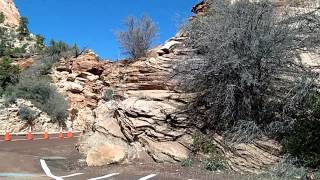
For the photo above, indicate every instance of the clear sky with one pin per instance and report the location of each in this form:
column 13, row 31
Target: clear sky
column 92, row 23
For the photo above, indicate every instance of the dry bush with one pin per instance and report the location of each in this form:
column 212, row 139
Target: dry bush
column 247, row 70
column 137, row 38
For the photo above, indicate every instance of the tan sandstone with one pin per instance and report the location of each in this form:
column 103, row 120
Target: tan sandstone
column 11, row 13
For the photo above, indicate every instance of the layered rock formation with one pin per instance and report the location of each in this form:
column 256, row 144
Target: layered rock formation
column 131, row 110
column 11, row 13
column 140, row 118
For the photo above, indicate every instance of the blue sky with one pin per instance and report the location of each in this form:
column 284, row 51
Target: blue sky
column 92, row 23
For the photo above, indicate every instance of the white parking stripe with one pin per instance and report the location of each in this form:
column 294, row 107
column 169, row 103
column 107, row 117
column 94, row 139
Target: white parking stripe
column 148, row 177
column 105, row 177
column 49, row 174
column 47, row 170
column 71, row 175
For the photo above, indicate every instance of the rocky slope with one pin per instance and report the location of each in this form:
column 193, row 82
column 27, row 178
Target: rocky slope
column 140, row 119
column 131, row 111
column 137, row 117
column 11, row 13
column 10, row 119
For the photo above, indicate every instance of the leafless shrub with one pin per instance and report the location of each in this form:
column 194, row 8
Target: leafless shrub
column 248, row 65
column 244, row 132
column 137, row 37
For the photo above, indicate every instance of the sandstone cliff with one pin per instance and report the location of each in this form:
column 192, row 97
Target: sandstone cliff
column 130, row 111
column 11, row 13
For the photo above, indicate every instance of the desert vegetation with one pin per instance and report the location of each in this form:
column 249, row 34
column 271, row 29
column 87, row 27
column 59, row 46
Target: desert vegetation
column 23, row 30
column 250, row 80
column 137, row 38
column 2, row 18
column 27, row 114
column 33, row 83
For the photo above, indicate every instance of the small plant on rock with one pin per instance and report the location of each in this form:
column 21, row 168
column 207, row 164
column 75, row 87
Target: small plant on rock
column 27, row 114
column 215, row 160
column 108, row 95
column 187, row 162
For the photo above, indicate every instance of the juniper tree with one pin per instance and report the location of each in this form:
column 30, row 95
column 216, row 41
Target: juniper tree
column 23, row 28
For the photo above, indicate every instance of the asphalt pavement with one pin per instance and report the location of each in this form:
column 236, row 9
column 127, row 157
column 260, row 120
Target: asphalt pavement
column 58, row 159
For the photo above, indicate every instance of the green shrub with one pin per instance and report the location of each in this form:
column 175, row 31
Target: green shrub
column 304, row 142
column 215, row 163
column 18, row 51
column 107, row 95
column 27, row 114
column 2, row 18
column 40, row 39
column 10, row 100
column 187, row 162
column 23, row 28
column 203, row 144
column 4, row 48
column 60, row 49
column 8, row 73
column 43, row 95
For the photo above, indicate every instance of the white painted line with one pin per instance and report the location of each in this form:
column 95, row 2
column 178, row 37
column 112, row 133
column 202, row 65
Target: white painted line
column 105, row 177
column 47, row 170
column 49, row 174
column 148, row 177
column 71, row 175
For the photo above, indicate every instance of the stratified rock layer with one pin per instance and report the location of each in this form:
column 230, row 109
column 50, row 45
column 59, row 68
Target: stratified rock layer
column 141, row 120
column 11, row 13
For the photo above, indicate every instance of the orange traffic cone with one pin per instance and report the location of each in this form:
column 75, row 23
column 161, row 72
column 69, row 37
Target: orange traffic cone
column 61, row 134
column 29, row 135
column 70, row 135
column 7, row 136
column 46, row 135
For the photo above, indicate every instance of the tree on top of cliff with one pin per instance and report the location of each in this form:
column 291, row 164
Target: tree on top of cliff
column 137, row 38
column 23, row 27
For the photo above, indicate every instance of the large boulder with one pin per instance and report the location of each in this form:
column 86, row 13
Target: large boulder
column 105, row 154
column 75, row 87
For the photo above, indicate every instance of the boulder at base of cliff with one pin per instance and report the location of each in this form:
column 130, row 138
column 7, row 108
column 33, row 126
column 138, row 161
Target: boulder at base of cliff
column 105, row 154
